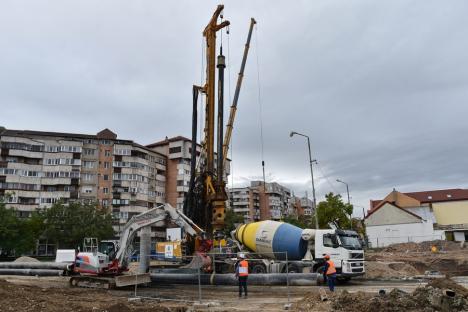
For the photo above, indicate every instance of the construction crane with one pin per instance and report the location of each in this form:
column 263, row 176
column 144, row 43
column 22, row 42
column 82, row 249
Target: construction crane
column 206, row 200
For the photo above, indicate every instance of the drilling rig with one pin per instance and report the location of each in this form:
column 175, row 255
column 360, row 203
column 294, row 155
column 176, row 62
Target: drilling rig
column 205, row 202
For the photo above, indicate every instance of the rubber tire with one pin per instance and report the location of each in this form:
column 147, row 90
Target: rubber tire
column 258, row 269
column 292, row 268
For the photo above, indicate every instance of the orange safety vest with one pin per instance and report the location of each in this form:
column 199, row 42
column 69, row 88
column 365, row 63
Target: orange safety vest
column 243, row 268
column 331, row 267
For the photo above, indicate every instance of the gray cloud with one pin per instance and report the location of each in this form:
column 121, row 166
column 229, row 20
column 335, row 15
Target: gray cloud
column 379, row 86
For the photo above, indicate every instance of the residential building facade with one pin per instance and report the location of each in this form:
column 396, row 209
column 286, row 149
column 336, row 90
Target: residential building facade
column 178, row 151
column 259, row 201
column 37, row 169
column 418, row 216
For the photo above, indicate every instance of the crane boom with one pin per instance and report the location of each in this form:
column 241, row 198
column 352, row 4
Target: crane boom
column 232, row 114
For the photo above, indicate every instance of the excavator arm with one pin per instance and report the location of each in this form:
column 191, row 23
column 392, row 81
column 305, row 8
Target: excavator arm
column 160, row 214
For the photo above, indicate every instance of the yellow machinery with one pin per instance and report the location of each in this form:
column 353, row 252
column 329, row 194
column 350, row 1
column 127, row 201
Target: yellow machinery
column 206, row 201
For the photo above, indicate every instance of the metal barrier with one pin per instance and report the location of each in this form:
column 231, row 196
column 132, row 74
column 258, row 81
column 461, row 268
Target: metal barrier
column 199, row 273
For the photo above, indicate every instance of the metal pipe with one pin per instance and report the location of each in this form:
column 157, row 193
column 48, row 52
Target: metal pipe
column 31, row 272
column 299, row 279
column 36, row 265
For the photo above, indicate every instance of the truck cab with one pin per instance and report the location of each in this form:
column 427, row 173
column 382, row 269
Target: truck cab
column 344, row 249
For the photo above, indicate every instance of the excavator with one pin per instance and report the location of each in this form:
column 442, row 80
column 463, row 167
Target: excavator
column 205, row 202
column 104, row 266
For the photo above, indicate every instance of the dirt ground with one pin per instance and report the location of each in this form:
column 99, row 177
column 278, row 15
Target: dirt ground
column 411, row 259
column 431, row 297
column 23, row 297
column 52, row 294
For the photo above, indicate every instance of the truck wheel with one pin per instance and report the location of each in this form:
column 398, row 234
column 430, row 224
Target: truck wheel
column 293, row 268
column 258, row 269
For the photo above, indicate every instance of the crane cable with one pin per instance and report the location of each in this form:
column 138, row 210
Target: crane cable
column 259, row 100
column 229, row 92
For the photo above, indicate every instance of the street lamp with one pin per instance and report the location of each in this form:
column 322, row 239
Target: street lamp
column 311, row 174
column 347, row 191
column 347, row 188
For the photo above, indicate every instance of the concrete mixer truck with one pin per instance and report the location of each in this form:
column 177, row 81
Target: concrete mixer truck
column 277, row 247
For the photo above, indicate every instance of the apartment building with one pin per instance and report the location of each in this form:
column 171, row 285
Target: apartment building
column 37, row 169
column 271, row 201
column 178, row 151
column 303, row 206
column 246, row 201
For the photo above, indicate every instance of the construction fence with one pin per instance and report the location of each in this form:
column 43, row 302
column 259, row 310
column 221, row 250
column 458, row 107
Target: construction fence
column 201, row 281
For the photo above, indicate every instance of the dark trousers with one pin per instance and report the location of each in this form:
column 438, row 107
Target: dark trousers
column 243, row 284
column 331, row 281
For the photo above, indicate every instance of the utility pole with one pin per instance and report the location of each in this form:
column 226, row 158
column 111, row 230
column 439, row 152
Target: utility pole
column 311, row 161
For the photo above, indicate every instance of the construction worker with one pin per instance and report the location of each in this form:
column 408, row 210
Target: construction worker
column 329, row 273
column 242, row 273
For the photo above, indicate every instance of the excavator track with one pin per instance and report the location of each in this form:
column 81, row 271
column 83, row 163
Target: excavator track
column 92, row 282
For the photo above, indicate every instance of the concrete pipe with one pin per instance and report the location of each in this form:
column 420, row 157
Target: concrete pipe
column 36, row 265
column 299, row 279
column 31, row 272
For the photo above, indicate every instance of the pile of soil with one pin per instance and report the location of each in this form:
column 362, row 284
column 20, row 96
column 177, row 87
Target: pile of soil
column 22, row 298
column 432, row 297
column 389, row 270
column 442, row 245
column 26, row 259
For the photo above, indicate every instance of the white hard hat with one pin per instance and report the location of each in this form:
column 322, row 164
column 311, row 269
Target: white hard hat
column 241, row 255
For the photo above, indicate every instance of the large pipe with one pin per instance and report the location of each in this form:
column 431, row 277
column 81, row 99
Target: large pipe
column 31, row 272
column 36, row 265
column 296, row 279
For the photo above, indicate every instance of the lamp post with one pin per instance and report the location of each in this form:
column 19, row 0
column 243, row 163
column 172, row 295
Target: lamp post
column 349, row 203
column 311, row 161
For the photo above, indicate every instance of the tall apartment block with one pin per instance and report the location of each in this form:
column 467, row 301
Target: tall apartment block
column 37, row 169
column 178, row 151
column 262, row 202
column 303, row 206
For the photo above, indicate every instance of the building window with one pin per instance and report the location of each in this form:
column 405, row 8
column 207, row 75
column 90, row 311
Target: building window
column 105, row 202
column 105, row 190
column 88, row 164
column 88, row 151
column 106, row 177
column 107, row 153
column 176, row 149
column 106, row 165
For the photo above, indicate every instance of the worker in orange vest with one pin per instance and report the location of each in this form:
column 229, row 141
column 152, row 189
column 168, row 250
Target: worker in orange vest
column 242, row 273
column 329, row 272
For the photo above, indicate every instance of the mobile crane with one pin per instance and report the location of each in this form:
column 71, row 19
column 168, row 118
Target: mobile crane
column 207, row 189
column 104, row 267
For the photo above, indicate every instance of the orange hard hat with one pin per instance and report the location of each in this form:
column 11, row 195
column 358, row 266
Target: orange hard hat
column 327, row 257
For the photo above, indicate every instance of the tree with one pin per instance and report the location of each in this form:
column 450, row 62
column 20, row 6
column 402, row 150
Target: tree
column 18, row 235
column 231, row 220
column 68, row 225
column 334, row 210
column 303, row 221
column 9, row 229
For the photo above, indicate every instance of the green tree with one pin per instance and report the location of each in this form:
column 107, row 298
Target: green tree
column 9, row 229
column 68, row 225
column 334, row 210
column 18, row 235
column 304, row 222
column 231, row 220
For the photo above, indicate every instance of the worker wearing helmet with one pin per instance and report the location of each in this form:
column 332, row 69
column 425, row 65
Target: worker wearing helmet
column 329, row 273
column 242, row 273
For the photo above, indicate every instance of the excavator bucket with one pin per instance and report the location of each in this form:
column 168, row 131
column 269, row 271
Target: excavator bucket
column 133, row 279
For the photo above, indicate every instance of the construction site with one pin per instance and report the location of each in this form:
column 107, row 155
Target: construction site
column 170, row 236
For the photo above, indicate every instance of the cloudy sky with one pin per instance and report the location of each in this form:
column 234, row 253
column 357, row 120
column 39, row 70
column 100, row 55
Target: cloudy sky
column 381, row 87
